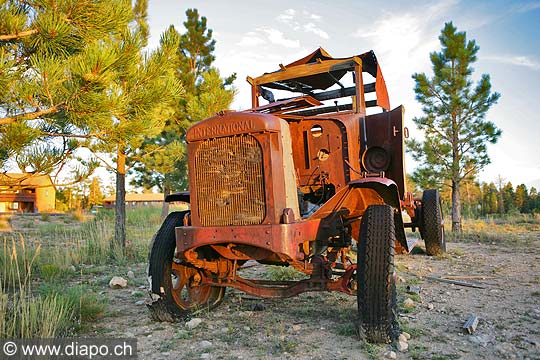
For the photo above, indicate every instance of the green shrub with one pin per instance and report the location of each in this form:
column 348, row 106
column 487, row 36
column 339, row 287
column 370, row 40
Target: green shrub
column 85, row 304
column 284, row 273
column 55, row 272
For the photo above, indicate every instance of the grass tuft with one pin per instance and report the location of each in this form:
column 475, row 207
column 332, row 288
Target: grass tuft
column 283, row 273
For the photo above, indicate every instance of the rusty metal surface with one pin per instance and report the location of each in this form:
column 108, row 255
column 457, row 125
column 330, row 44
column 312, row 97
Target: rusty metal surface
column 385, row 133
column 320, row 155
column 275, row 289
column 229, row 181
column 279, row 107
column 188, row 287
column 319, row 70
column 281, row 239
column 266, row 130
column 232, row 123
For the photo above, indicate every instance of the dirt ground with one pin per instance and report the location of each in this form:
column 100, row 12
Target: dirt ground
column 321, row 325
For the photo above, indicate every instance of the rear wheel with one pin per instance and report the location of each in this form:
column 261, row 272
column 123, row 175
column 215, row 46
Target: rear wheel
column 180, row 286
column 432, row 223
column 377, row 305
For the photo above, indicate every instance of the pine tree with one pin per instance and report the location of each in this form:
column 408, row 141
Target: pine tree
column 161, row 160
column 509, row 198
column 534, row 200
column 143, row 92
column 95, row 196
column 489, row 199
column 522, row 198
column 456, row 132
column 52, row 65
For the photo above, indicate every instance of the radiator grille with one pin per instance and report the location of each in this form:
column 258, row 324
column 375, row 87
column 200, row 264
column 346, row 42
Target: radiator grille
column 229, row 181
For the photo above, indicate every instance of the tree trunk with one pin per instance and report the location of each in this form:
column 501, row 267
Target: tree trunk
column 456, row 207
column 120, row 207
column 500, row 198
column 165, row 207
column 456, row 196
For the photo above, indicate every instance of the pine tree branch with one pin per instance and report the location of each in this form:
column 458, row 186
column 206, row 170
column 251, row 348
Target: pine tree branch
column 18, row 35
column 105, row 162
column 47, row 90
column 471, row 170
column 35, row 115
column 442, row 158
column 443, row 184
column 442, row 135
column 463, row 149
column 436, row 94
column 76, row 136
column 158, row 149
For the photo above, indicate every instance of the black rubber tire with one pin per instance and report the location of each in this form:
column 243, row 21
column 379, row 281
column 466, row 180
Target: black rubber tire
column 377, row 304
column 432, row 223
column 159, row 271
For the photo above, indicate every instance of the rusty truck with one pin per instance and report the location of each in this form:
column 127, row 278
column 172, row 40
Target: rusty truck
column 314, row 180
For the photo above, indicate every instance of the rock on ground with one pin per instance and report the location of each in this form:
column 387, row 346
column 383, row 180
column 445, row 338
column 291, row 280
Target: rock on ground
column 205, row 344
column 193, row 323
column 408, row 303
column 117, row 282
column 402, row 346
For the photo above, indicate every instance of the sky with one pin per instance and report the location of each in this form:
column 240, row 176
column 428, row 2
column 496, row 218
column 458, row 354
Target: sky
column 254, row 37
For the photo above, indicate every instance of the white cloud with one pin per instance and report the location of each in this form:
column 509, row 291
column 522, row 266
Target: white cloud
column 404, row 41
column 311, row 16
column 287, row 16
column 518, row 60
column 265, row 35
column 250, row 39
column 295, row 19
column 276, row 37
column 312, row 28
column 440, row 9
column 402, row 44
column 522, row 8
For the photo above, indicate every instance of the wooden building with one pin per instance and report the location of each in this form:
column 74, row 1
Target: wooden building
column 26, row 193
column 133, row 200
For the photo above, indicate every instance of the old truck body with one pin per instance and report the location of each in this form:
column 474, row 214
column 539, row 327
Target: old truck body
column 290, row 183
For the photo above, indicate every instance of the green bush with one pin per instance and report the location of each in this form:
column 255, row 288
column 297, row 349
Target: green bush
column 54, row 272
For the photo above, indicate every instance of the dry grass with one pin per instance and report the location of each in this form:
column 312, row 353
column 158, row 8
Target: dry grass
column 506, row 230
column 23, row 315
column 44, row 252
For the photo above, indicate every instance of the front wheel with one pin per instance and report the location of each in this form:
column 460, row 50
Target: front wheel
column 180, row 286
column 377, row 305
column 432, row 224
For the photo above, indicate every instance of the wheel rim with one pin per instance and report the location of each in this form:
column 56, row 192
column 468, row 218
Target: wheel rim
column 187, row 288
